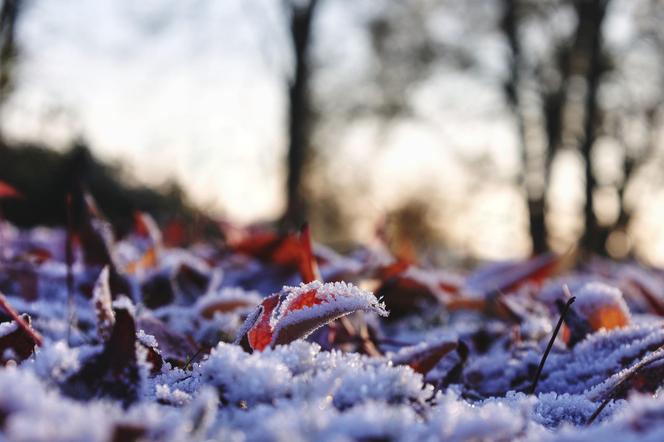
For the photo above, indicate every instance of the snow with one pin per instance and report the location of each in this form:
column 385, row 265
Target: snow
column 209, row 388
column 146, row 339
column 7, row 328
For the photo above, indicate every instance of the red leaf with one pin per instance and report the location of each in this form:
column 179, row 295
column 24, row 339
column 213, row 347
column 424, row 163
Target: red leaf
column 174, row 234
column 308, row 266
column 8, row 192
column 260, row 334
column 295, row 312
column 508, row 276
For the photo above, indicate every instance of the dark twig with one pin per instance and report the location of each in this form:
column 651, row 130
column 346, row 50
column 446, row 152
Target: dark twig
column 69, row 254
column 551, row 341
column 34, row 335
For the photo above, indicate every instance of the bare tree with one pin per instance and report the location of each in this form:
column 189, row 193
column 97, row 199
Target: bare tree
column 300, row 112
column 589, row 40
column 536, row 200
column 9, row 13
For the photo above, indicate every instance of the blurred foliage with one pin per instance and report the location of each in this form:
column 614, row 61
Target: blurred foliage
column 45, row 176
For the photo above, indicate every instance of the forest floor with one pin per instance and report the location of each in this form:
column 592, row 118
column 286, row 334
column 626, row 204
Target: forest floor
column 270, row 337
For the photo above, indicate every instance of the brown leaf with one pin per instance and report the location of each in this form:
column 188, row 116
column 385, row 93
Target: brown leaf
column 103, row 305
column 173, row 346
column 113, row 372
column 422, row 359
column 18, row 341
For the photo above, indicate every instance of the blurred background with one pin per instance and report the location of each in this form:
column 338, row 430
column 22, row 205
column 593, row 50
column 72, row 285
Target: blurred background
column 487, row 129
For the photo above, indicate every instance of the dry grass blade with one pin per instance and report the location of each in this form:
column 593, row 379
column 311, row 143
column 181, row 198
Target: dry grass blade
column 656, row 356
column 551, row 341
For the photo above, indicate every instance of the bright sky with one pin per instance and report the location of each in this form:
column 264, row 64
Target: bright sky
column 171, row 88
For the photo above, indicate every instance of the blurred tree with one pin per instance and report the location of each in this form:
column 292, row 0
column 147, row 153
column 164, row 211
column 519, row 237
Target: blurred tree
column 300, row 111
column 590, row 15
column 535, row 197
column 9, row 13
column 572, row 58
column 45, row 176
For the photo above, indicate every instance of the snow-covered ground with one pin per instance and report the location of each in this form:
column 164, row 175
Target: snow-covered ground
column 138, row 340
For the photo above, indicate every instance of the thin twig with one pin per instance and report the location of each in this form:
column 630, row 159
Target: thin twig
column 34, row 335
column 69, row 253
column 551, row 341
column 654, row 357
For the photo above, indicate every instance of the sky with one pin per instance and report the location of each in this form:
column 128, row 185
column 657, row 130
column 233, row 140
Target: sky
column 171, row 88
column 195, row 90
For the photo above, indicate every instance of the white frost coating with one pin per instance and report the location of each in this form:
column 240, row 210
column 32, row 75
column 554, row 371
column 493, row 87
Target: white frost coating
column 499, row 419
column 595, row 295
column 55, row 362
column 340, row 293
column 7, row 328
column 176, row 397
column 146, row 339
column 642, row 420
column 299, row 372
column 300, row 392
column 338, row 299
column 123, row 302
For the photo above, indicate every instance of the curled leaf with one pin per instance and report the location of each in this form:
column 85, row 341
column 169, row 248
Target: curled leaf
column 295, row 312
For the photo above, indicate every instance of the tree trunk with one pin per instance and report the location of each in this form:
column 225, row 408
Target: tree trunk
column 591, row 15
column 300, row 114
column 536, row 201
column 8, row 17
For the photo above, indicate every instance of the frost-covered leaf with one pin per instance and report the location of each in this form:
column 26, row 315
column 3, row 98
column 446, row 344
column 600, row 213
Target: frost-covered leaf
column 297, row 311
column 103, row 304
column 114, row 371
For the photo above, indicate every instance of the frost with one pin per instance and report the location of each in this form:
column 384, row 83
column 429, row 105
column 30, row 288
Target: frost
column 170, row 372
column 147, row 340
column 595, row 296
column 332, row 301
column 7, row 328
